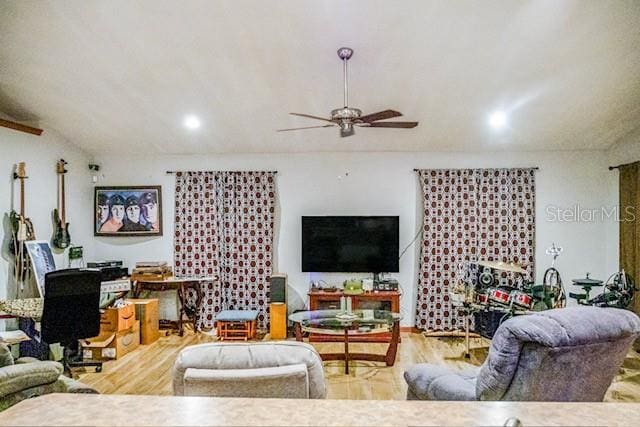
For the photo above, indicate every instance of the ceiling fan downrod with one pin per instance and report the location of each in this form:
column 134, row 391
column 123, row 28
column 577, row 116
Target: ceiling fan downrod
column 345, row 53
column 345, row 116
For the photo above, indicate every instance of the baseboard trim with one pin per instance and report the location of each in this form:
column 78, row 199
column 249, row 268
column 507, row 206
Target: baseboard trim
column 411, row 329
column 453, row 334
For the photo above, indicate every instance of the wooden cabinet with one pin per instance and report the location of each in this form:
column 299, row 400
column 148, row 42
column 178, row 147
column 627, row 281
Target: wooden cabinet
column 382, row 300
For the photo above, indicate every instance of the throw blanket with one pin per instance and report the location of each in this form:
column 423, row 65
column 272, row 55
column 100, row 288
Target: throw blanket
column 27, row 307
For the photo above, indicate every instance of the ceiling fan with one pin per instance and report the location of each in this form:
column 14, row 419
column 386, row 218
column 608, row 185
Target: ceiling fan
column 346, row 118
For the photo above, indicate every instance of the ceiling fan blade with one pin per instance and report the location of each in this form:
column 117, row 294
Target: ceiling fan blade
column 311, row 117
column 380, row 115
column 402, row 125
column 348, row 132
column 307, row 127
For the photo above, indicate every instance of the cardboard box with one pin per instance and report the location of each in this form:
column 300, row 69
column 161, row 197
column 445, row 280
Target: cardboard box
column 127, row 341
column 112, row 345
column 118, row 319
column 97, row 348
column 147, row 314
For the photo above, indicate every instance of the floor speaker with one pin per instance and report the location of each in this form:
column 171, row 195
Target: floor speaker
column 278, row 307
column 278, row 325
column 279, row 288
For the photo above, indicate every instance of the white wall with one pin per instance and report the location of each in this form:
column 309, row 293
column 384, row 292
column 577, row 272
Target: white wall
column 41, row 154
column 381, row 184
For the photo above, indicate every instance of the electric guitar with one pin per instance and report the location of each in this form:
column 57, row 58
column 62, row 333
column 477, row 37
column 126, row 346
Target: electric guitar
column 22, row 229
column 61, row 237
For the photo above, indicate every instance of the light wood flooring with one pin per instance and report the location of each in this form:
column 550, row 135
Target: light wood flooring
column 147, row 370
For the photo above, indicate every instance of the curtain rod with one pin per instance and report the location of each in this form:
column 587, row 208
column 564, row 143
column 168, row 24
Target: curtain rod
column 621, row 165
column 174, row 172
column 535, row 168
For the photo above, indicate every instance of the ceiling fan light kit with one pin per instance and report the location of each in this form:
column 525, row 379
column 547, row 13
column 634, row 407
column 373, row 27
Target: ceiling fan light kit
column 346, row 118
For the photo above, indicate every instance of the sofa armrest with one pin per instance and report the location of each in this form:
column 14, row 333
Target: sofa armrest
column 73, row 386
column 16, row 378
column 26, row 360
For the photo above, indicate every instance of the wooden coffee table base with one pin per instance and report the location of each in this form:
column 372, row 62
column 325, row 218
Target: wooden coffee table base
column 389, row 358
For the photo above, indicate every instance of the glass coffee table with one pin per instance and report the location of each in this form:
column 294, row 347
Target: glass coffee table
column 361, row 322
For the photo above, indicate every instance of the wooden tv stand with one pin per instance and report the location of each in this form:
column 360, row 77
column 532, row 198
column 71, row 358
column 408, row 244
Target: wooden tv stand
column 381, row 300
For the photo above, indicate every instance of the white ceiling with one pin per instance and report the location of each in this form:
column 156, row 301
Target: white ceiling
column 119, row 76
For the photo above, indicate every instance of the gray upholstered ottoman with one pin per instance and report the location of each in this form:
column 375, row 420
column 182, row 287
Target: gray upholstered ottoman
column 236, row 324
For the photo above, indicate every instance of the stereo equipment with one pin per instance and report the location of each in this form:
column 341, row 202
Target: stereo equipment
column 278, row 307
column 115, row 286
column 386, row 285
column 108, row 274
column 103, row 264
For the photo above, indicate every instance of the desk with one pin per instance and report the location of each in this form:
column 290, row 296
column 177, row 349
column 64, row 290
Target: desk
column 181, row 285
column 121, row 410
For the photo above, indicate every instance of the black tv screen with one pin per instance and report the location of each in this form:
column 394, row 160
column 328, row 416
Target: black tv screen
column 350, row 244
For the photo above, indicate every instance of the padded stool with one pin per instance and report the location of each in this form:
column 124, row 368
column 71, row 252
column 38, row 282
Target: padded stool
column 236, row 324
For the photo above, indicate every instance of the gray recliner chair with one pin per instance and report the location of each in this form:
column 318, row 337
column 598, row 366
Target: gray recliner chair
column 569, row 354
column 26, row 377
column 285, row 369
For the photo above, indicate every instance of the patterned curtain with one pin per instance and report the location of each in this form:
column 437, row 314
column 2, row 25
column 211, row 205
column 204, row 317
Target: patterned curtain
column 246, row 206
column 196, row 240
column 224, row 227
column 507, row 217
column 470, row 214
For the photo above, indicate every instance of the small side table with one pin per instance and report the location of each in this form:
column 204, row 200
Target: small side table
column 181, row 285
column 236, row 324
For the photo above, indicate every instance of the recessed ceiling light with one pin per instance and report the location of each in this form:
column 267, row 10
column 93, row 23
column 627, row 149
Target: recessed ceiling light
column 191, row 122
column 498, row 120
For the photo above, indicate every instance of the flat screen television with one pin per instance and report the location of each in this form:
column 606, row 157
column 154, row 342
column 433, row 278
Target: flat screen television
column 350, row 244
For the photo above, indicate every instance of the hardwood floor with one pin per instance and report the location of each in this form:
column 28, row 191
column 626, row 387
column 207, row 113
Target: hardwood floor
column 148, row 369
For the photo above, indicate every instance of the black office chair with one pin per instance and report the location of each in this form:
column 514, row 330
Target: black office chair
column 71, row 312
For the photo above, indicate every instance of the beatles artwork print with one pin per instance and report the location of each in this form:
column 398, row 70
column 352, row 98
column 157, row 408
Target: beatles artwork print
column 128, row 211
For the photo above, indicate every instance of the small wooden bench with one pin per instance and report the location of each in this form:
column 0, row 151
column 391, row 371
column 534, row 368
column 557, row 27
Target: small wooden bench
column 236, row 324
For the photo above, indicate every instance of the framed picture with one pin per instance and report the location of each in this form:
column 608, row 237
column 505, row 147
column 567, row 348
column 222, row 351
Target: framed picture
column 128, row 211
column 42, row 261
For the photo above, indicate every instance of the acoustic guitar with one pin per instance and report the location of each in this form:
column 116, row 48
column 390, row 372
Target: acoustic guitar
column 22, row 229
column 61, row 237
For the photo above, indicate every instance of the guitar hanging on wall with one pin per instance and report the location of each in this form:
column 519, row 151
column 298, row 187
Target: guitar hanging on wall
column 61, row 237
column 22, row 230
